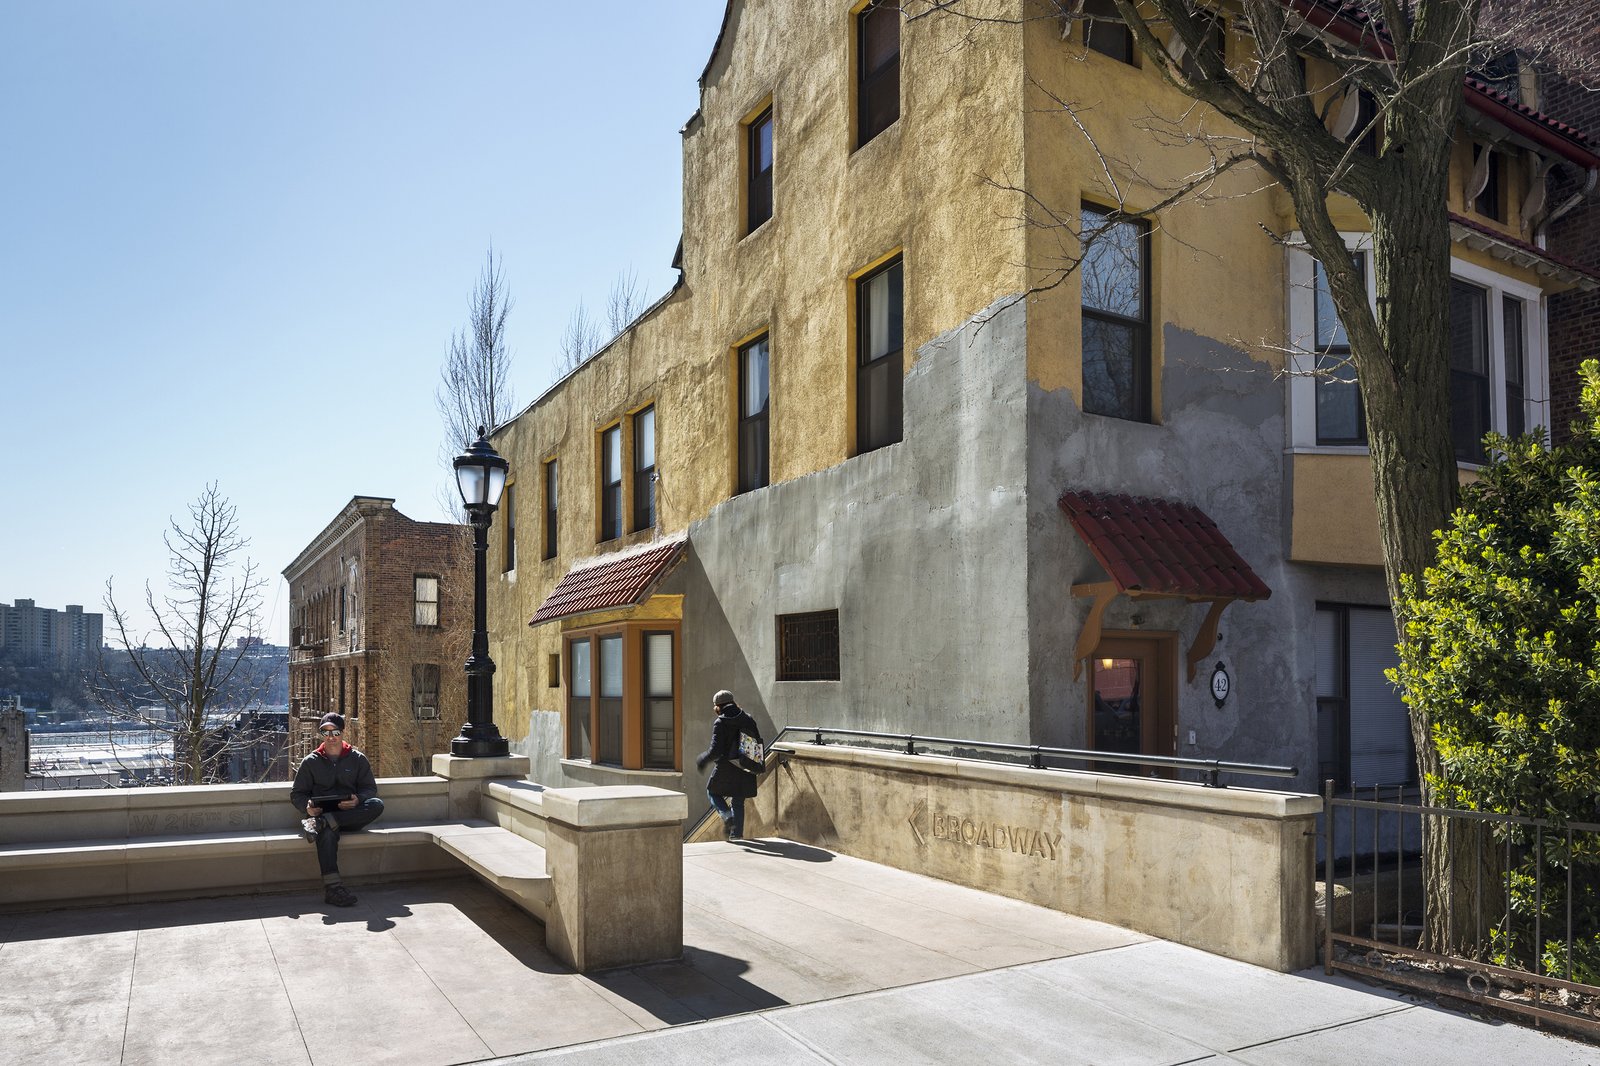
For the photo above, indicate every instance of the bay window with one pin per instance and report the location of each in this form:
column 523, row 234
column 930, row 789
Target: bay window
column 623, row 701
column 1498, row 370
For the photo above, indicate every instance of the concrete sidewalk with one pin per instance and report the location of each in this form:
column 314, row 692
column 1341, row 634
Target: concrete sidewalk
column 792, row 955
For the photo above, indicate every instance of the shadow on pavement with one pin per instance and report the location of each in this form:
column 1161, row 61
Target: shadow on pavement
column 786, row 849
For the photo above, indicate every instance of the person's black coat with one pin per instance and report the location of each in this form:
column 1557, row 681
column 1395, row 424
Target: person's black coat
column 727, row 779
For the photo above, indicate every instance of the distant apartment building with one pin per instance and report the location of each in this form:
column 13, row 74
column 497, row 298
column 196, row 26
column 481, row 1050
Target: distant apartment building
column 44, row 633
column 13, row 746
column 380, row 626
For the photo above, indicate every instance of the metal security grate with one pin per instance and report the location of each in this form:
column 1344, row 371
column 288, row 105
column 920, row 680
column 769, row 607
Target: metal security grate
column 808, row 646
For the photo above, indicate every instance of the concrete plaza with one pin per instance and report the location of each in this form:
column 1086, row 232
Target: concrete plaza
column 792, row 955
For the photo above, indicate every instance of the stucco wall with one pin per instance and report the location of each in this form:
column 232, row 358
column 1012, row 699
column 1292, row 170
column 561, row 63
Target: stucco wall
column 918, row 187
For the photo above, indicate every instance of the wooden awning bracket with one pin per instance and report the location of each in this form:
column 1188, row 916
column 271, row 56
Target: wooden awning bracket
column 1089, row 637
column 1206, row 639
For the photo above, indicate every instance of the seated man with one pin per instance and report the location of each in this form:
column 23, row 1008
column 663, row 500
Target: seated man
column 335, row 790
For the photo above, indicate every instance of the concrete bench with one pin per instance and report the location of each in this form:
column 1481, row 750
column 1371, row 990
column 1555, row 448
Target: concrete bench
column 573, row 858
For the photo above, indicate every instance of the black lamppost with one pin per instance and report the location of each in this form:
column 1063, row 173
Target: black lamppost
column 481, row 476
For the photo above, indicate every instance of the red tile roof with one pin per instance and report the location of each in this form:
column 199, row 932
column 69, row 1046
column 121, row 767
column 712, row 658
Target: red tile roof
column 1532, row 251
column 614, row 581
column 1161, row 547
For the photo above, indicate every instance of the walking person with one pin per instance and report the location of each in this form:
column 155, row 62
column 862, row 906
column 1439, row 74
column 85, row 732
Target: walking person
column 731, row 781
column 335, row 790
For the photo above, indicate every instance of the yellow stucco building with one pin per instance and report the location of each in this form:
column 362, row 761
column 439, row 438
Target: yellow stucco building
column 879, row 461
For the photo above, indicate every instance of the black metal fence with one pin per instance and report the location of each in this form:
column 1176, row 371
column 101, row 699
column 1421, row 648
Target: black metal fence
column 1514, row 923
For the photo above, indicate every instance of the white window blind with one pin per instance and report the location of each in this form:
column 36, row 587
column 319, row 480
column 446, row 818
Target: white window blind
column 658, row 664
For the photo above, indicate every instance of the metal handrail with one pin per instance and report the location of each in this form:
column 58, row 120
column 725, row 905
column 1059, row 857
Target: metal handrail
column 1211, row 768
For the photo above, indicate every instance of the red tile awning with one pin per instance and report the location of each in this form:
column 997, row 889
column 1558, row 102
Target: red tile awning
column 620, row 580
column 1157, row 548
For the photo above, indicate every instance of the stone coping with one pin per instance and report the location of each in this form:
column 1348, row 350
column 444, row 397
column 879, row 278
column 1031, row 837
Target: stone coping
column 1249, row 802
column 45, row 801
column 612, row 806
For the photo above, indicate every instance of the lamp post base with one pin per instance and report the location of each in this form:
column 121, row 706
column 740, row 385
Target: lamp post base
column 480, row 742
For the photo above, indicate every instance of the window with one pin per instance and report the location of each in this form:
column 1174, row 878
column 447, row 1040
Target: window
column 1363, row 733
column 550, row 509
column 758, row 150
column 611, row 483
column 1366, row 124
column 1516, row 371
column 580, row 682
column 1469, row 369
column 754, row 415
column 425, row 691
column 426, row 596
column 660, row 710
column 644, row 469
column 1499, row 369
column 1488, row 202
column 622, row 691
column 880, row 298
column 878, row 73
column 1116, row 316
column 808, row 646
column 1340, row 419
column 508, row 507
column 1105, row 32
column 344, row 602
column 1213, row 43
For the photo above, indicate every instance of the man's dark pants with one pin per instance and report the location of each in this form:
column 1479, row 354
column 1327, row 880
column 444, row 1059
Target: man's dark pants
column 350, row 821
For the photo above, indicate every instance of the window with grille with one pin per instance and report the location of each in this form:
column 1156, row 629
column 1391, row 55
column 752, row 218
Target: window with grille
column 808, row 646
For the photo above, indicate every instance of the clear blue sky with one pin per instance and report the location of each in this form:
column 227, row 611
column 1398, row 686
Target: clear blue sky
column 235, row 240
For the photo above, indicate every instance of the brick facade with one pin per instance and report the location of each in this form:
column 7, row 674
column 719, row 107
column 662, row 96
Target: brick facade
column 356, row 647
column 1574, row 315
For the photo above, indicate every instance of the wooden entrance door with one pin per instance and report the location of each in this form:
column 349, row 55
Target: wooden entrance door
column 1132, row 694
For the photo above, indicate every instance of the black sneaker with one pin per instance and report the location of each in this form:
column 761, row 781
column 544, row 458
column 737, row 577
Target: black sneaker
column 339, row 896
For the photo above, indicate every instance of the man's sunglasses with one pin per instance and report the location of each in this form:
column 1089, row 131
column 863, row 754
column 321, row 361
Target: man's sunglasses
column 331, row 732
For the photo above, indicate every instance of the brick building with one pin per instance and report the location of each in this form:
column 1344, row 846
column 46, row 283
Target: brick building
column 1575, row 235
column 380, row 615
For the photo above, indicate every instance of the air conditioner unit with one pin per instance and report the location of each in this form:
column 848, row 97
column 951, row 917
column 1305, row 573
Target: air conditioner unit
column 427, row 712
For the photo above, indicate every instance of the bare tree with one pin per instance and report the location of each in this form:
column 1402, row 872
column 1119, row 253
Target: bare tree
column 1318, row 80
column 475, row 381
column 585, row 335
column 200, row 654
column 624, row 302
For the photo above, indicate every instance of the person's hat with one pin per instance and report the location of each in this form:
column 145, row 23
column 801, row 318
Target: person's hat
column 333, row 719
column 722, row 698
